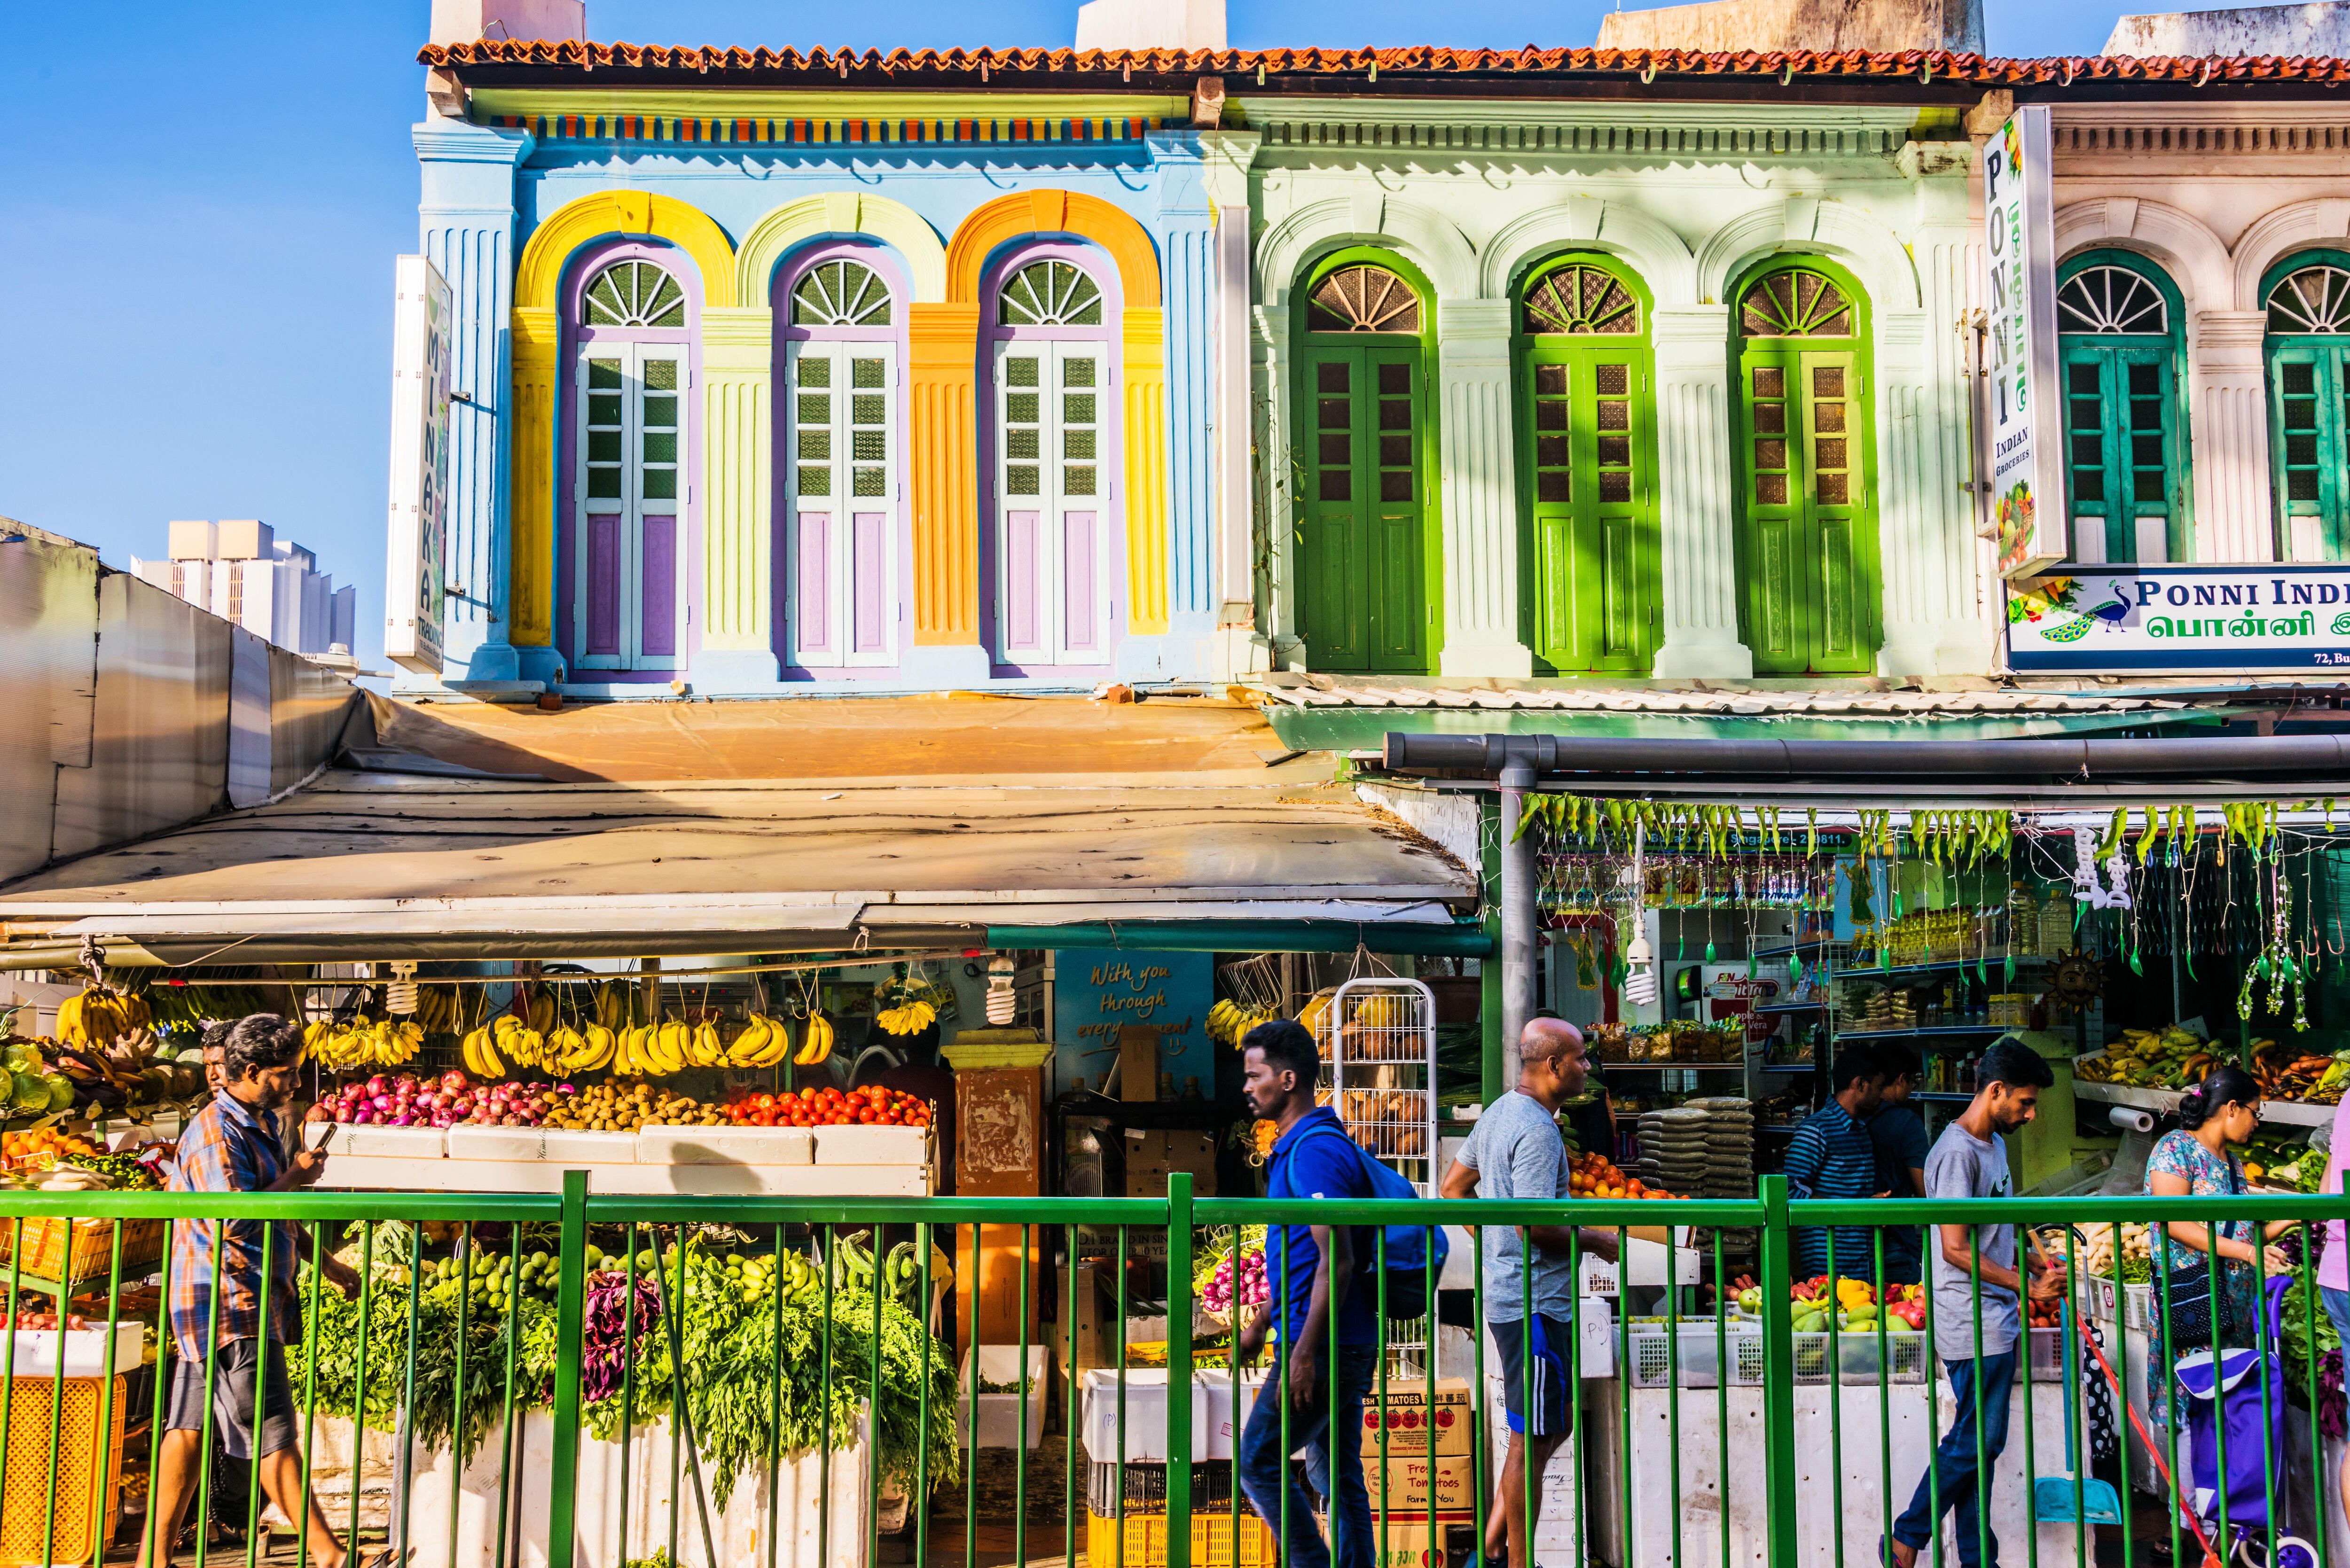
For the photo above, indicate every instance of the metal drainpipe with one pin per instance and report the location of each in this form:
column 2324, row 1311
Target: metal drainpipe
column 1517, row 917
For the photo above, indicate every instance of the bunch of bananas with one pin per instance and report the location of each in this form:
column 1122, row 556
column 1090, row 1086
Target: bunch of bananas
column 909, row 1018
column 615, row 1005
column 1229, row 1021
column 193, row 1006
column 362, row 1042
column 438, row 1010
column 99, row 1018
column 815, row 1046
column 506, row 1042
column 764, row 1044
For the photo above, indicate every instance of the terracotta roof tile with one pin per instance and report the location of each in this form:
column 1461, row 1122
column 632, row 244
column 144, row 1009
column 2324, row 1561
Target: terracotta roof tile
column 1416, row 60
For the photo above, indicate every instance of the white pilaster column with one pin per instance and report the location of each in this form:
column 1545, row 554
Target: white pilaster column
column 1478, row 474
column 1226, row 178
column 737, row 652
column 467, row 223
column 2235, row 511
column 1698, row 546
column 1273, row 490
column 1934, row 623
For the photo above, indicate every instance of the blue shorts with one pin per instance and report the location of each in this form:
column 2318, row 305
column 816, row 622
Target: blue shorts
column 2338, row 1307
column 1550, row 1412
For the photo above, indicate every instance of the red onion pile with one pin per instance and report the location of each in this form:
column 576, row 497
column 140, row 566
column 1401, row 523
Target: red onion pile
column 450, row 1100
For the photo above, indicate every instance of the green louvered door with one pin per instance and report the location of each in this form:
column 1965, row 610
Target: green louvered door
column 2120, row 450
column 1810, row 548
column 2309, row 409
column 1362, row 590
column 1593, row 517
column 1807, row 544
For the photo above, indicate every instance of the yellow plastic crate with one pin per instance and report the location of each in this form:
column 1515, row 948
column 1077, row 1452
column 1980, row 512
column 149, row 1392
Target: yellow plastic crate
column 24, row 1485
column 1146, row 1541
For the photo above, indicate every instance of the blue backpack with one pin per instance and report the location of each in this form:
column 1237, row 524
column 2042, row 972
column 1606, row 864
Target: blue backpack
column 1408, row 1246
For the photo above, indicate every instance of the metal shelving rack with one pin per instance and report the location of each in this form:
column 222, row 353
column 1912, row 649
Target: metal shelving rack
column 1378, row 1041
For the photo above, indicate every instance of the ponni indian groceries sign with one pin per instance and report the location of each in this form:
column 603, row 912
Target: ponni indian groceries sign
column 2151, row 619
column 2027, row 481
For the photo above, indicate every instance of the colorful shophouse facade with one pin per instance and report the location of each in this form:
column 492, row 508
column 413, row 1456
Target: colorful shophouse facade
column 778, row 387
column 1035, row 368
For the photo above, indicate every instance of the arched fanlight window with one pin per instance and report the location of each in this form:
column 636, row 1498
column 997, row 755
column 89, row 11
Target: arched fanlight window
column 1363, row 299
column 2111, row 301
column 1049, row 294
column 2316, row 299
column 1581, row 299
column 1796, row 303
column 840, row 294
column 2125, row 450
column 2308, row 355
column 634, row 294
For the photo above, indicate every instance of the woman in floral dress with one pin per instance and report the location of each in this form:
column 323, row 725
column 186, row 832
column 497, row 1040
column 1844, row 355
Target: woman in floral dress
column 2197, row 1160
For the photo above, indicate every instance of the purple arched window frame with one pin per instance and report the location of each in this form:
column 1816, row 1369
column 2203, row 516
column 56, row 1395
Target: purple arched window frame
column 790, row 571
column 1002, row 602
column 684, row 552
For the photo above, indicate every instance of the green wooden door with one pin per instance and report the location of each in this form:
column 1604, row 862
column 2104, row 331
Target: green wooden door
column 2124, row 448
column 1808, row 544
column 2121, row 440
column 2309, row 409
column 1363, row 602
column 1586, row 413
column 2309, row 405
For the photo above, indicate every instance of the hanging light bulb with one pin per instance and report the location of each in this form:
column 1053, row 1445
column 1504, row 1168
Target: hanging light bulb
column 1640, row 971
column 1640, row 959
column 399, row 996
column 1003, row 1000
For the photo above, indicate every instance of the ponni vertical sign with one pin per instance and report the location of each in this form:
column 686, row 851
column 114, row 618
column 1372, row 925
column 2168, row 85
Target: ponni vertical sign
column 2027, row 483
column 413, row 579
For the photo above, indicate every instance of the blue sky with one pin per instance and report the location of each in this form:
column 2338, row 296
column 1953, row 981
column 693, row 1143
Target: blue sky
column 208, row 198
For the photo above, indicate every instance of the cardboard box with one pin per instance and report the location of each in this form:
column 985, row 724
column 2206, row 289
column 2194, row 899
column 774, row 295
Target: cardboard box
column 1138, row 1062
column 1406, row 1419
column 1405, row 1543
column 1086, row 1331
column 1152, row 1156
column 1408, row 1484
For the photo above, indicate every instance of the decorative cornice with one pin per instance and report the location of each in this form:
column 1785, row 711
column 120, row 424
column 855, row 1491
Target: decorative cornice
column 448, row 142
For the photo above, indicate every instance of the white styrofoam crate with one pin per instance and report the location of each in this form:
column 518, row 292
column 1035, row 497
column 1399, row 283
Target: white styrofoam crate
column 1857, row 1358
column 1216, row 1416
column 466, row 1175
column 1650, row 1348
column 860, row 1145
column 725, row 1146
column 551, row 1145
column 33, row 1352
column 2138, row 1301
column 372, row 1142
column 1000, row 1421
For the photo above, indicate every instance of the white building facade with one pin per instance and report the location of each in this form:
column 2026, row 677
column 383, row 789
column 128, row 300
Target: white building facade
column 240, row 571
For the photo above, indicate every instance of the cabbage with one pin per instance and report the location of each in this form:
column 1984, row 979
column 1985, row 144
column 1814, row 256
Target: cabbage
column 61, row 1091
column 31, row 1095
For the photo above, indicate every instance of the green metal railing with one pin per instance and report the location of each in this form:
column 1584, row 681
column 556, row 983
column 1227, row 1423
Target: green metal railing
column 745, row 1329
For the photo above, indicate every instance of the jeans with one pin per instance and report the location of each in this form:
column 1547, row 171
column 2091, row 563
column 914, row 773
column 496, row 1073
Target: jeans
column 1954, row 1472
column 1263, row 1468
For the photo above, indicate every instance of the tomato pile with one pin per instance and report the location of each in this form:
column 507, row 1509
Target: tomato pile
column 872, row 1105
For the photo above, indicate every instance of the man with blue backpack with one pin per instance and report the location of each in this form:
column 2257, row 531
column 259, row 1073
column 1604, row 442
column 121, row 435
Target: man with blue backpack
column 1310, row 1274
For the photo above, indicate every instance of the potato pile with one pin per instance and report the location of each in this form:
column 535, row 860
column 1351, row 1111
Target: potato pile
column 625, row 1107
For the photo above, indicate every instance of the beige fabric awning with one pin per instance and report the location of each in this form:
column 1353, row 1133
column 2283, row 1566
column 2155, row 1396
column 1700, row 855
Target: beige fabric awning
column 379, row 866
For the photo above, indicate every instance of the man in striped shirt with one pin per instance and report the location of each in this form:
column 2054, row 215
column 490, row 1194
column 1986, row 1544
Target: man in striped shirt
column 1831, row 1155
column 232, row 1317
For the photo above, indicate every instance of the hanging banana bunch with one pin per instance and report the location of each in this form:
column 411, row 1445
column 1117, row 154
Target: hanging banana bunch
column 362, row 1042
